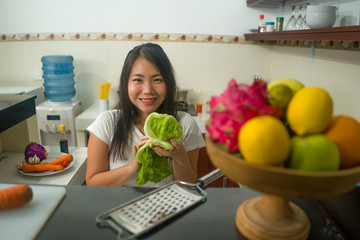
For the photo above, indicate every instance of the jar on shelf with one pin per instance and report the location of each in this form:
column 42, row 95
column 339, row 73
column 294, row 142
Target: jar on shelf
column 279, row 24
column 270, row 26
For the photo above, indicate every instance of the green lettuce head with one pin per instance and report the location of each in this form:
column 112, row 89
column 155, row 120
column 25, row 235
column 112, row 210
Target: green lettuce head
column 160, row 128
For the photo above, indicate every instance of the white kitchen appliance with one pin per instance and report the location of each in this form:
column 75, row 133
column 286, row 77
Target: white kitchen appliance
column 51, row 114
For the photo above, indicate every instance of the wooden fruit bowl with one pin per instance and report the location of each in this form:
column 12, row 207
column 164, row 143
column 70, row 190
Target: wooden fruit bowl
column 272, row 216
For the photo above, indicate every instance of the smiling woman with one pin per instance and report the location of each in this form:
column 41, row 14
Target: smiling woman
column 147, row 85
column 146, row 88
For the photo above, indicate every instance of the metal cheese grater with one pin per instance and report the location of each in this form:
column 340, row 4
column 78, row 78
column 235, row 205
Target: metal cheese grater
column 150, row 210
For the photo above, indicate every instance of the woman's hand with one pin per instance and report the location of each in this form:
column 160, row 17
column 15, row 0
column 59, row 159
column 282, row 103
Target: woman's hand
column 177, row 153
column 134, row 164
column 142, row 141
column 184, row 163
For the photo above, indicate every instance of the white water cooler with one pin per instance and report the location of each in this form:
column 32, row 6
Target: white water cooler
column 51, row 114
column 59, row 89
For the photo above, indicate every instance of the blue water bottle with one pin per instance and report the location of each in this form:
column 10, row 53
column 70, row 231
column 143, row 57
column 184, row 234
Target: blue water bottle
column 58, row 77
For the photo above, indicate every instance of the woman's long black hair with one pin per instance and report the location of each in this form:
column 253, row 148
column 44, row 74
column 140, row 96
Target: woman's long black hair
column 120, row 144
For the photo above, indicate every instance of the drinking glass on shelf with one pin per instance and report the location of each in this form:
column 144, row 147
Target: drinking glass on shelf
column 292, row 21
column 299, row 19
column 304, row 24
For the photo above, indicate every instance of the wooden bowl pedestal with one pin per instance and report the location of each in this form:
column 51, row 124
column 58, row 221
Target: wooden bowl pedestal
column 272, row 217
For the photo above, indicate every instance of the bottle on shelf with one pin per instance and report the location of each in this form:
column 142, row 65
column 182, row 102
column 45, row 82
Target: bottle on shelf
column 262, row 25
column 199, row 103
column 63, row 139
column 198, row 108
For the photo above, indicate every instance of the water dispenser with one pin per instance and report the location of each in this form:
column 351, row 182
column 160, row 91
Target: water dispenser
column 61, row 108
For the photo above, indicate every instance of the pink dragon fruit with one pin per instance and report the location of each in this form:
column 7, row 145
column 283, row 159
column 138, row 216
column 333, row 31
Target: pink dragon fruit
column 237, row 104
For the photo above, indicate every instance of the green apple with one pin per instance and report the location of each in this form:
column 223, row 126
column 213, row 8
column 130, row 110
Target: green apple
column 293, row 84
column 313, row 153
column 280, row 95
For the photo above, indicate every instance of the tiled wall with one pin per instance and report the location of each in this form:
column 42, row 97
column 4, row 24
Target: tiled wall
column 338, row 71
column 200, row 63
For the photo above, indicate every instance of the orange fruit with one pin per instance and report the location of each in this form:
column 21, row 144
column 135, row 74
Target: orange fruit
column 345, row 132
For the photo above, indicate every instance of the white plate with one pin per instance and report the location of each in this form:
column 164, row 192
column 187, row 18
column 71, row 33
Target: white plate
column 51, row 156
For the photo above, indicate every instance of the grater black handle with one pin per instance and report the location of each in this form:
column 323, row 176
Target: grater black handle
column 209, row 178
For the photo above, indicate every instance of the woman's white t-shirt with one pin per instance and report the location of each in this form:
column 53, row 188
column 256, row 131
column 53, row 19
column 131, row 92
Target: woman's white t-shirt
column 104, row 125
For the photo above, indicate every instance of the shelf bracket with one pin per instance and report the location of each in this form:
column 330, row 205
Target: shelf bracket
column 313, row 47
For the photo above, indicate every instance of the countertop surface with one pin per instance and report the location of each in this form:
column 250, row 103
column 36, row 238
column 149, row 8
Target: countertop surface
column 73, row 176
column 14, row 109
column 83, row 120
column 212, row 219
column 21, row 88
column 17, row 89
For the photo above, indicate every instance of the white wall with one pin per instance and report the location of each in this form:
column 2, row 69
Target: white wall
column 338, row 71
column 156, row 16
column 229, row 17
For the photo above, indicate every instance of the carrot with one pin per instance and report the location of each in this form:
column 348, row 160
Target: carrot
column 40, row 167
column 67, row 157
column 15, row 196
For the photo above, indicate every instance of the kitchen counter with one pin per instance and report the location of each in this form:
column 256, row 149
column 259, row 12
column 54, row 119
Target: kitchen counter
column 212, row 219
column 14, row 109
column 73, row 176
column 21, row 88
column 88, row 116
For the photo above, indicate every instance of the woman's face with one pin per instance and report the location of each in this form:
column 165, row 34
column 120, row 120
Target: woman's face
column 146, row 87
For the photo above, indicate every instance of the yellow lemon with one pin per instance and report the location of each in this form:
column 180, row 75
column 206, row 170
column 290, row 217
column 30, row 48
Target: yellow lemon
column 264, row 140
column 310, row 111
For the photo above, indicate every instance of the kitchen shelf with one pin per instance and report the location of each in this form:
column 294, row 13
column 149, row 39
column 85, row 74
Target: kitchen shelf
column 349, row 33
column 268, row 3
column 345, row 38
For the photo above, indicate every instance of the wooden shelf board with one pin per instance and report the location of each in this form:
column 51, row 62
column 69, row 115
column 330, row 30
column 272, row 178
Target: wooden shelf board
column 350, row 33
column 268, row 3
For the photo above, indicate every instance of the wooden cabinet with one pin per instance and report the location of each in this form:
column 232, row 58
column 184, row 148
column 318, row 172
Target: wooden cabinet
column 205, row 166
